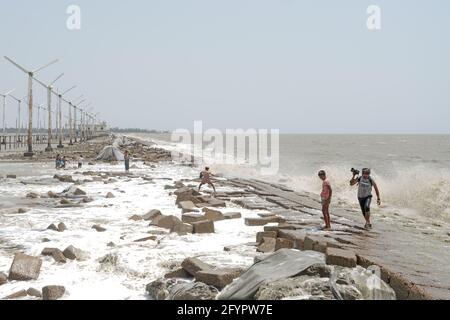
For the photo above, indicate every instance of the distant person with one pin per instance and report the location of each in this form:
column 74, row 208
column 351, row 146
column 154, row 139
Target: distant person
column 365, row 185
column 63, row 162
column 325, row 196
column 205, row 175
column 126, row 157
column 58, row 161
column 80, row 161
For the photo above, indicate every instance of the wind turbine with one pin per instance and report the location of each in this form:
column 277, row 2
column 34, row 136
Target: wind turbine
column 49, row 107
column 39, row 107
column 75, row 116
column 19, row 125
column 4, row 95
column 73, row 123
column 30, row 74
column 60, row 98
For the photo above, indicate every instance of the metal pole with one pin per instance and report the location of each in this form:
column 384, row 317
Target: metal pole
column 4, row 107
column 70, row 124
column 60, row 145
column 29, row 153
column 75, row 121
column 18, row 123
column 49, row 110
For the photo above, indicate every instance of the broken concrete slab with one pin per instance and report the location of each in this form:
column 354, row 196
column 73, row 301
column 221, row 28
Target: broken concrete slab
column 217, row 278
column 192, row 217
column 206, row 226
column 339, row 257
column 25, row 267
column 213, row 215
column 267, row 245
column 194, row 265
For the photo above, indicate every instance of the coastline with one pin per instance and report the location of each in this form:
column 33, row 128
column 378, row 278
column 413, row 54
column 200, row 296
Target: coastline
column 288, row 218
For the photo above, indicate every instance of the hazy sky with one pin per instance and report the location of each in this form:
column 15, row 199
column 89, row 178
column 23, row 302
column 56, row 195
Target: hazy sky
column 298, row 66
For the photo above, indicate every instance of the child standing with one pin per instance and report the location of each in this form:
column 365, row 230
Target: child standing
column 325, row 196
column 80, row 161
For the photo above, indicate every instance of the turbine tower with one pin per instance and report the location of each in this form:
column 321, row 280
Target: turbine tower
column 30, row 74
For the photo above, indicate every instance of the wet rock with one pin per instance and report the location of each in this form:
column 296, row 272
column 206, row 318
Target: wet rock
column 135, row 217
column 192, row 217
column 53, row 227
column 98, row 228
column 151, row 214
column 283, row 243
column 300, row 287
column 110, row 195
column 192, row 291
column 232, row 215
column 111, row 244
column 153, row 238
column 213, row 202
column 167, row 222
column 320, row 270
column 339, row 257
column 65, row 201
column 22, row 210
column 57, row 254
column 298, row 236
column 25, row 267
column 62, row 227
column 34, row 293
column 267, row 245
column 53, row 292
column 316, row 243
column 186, row 194
column 260, row 221
column 87, row 199
column 63, row 178
column 73, row 253
column 53, row 195
column 217, row 278
column 74, row 191
column 194, row 265
column 213, row 215
column 179, row 184
column 3, row 278
column 159, row 289
column 178, row 273
column 11, row 176
column 32, row 195
column 186, row 190
column 16, row 295
column 168, row 187
column 45, row 240
column 206, row 226
column 265, row 234
column 187, row 206
column 182, row 229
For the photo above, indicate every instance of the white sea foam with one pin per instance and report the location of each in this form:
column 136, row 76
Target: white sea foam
column 135, row 263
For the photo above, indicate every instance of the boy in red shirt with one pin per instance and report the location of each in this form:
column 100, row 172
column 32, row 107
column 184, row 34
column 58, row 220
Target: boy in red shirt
column 325, row 196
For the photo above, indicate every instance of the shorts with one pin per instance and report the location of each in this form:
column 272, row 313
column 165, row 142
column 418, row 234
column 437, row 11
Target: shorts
column 365, row 204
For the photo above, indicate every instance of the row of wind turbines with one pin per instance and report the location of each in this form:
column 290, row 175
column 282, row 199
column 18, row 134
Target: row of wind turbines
column 86, row 123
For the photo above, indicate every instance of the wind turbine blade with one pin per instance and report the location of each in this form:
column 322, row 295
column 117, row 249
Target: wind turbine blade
column 59, row 77
column 17, row 65
column 47, row 65
column 14, row 97
column 68, row 90
column 40, row 82
column 11, row 91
